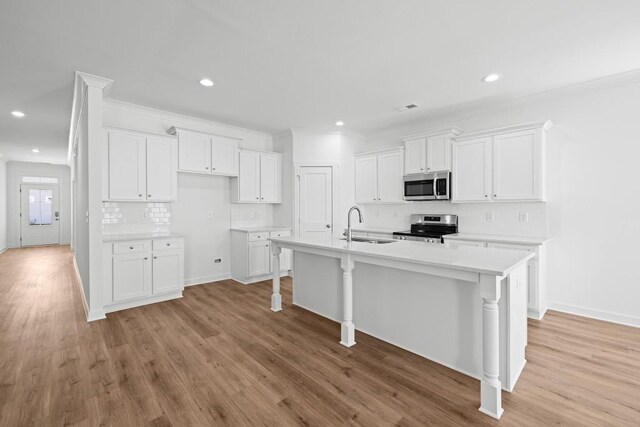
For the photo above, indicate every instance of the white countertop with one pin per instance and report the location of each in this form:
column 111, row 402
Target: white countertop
column 267, row 228
column 140, row 236
column 521, row 240
column 493, row 261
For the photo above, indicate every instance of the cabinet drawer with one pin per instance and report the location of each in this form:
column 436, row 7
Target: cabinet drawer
column 131, row 247
column 513, row 247
column 282, row 233
column 167, row 244
column 258, row 237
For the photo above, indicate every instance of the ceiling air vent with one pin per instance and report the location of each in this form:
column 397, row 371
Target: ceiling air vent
column 407, row 107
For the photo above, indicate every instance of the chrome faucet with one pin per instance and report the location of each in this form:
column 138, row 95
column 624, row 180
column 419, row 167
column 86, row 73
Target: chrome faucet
column 348, row 233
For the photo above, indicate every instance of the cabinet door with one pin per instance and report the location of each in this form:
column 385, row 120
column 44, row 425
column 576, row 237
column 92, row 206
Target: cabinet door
column 438, row 153
column 194, row 152
column 390, row 171
column 224, row 155
column 472, row 170
column 415, row 156
column 285, row 260
column 517, row 159
column 270, row 178
column 127, row 161
column 131, row 276
column 160, row 169
column 367, row 179
column 259, row 259
column 249, row 177
column 168, row 271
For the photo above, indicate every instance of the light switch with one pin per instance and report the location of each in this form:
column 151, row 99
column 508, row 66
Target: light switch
column 524, row 217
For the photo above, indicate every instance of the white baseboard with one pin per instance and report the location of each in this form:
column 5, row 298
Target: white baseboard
column 3, row 250
column 596, row 314
column 142, row 301
column 85, row 305
column 96, row 315
column 206, row 279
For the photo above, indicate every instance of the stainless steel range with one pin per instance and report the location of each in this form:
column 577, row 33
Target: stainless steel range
column 429, row 228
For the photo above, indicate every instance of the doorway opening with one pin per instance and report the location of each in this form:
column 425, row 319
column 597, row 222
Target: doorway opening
column 39, row 214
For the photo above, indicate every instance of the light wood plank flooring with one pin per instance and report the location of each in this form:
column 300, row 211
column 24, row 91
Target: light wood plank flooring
column 219, row 356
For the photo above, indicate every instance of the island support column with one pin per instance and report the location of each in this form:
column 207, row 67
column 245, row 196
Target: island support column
column 348, row 329
column 276, row 298
column 490, row 386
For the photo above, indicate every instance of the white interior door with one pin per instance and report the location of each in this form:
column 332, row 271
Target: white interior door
column 315, row 202
column 39, row 214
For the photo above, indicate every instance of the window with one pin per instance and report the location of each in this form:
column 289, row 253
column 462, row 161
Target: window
column 40, row 204
column 39, row 180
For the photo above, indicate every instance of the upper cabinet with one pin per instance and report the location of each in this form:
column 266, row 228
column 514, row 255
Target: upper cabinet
column 505, row 164
column 208, row 154
column 379, row 177
column 140, row 167
column 259, row 179
column 429, row 152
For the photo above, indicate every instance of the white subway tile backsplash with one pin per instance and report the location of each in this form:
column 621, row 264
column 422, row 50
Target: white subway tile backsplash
column 133, row 218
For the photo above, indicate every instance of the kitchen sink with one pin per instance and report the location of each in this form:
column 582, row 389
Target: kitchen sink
column 371, row 240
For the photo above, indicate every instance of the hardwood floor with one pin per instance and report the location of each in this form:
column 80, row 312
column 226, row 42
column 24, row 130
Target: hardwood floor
column 219, row 356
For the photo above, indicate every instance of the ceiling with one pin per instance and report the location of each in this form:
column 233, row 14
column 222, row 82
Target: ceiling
column 280, row 64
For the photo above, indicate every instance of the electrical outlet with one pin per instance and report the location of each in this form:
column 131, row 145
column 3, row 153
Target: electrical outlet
column 209, row 214
column 488, row 216
column 143, row 215
column 217, row 260
column 524, row 217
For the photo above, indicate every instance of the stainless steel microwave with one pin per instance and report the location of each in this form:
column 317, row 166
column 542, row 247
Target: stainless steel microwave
column 427, row 186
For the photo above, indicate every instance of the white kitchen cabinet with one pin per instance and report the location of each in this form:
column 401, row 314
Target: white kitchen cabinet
column 471, row 177
column 259, row 258
column 206, row 154
column 127, row 166
column 429, row 151
column 194, row 152
column 160, row 171
column 501, row 165
column 140, row 167
column 259, row 179
column 517, row 165
column 379, row 177
column 415, row 155
column 224, row 155
column 536, row 269
column 168, row 271
column 367, row 179
column 139, row 272
column 131, row 276
column 251, row 257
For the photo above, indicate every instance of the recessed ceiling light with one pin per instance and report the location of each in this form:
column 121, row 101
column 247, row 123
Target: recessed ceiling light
column 490, row 78
column 339, row 123
column 18, row 114
column 206, row 82
column 35, row 150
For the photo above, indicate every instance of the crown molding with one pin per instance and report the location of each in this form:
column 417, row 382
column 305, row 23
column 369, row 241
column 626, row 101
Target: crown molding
column 208, row 126
column 175, row 130
column 94, row 81
column 545, row 126
column 452, row 130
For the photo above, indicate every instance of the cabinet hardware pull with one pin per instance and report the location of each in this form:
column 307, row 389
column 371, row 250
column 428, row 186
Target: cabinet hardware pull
column 148, row 195
column 130, row 247
column 213, row 169
column 168, row 244
column 139, row 195
column 495, row 195
column 145, row 258
column 155, row 257
column 207, row 168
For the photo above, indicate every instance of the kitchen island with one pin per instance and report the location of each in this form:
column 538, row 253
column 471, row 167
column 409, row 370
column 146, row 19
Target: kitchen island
column 463, row 307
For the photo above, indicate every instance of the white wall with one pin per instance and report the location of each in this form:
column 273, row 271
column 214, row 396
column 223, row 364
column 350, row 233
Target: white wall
column 593, row 187
column 206, row 238
column 81, row 204
column 3, row 204
column 15, row 172
column 310, row 148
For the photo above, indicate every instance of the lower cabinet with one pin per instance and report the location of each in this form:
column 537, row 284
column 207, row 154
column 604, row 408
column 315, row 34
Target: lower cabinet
column 251, row 257
column 142, row 272
column 536, row 292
